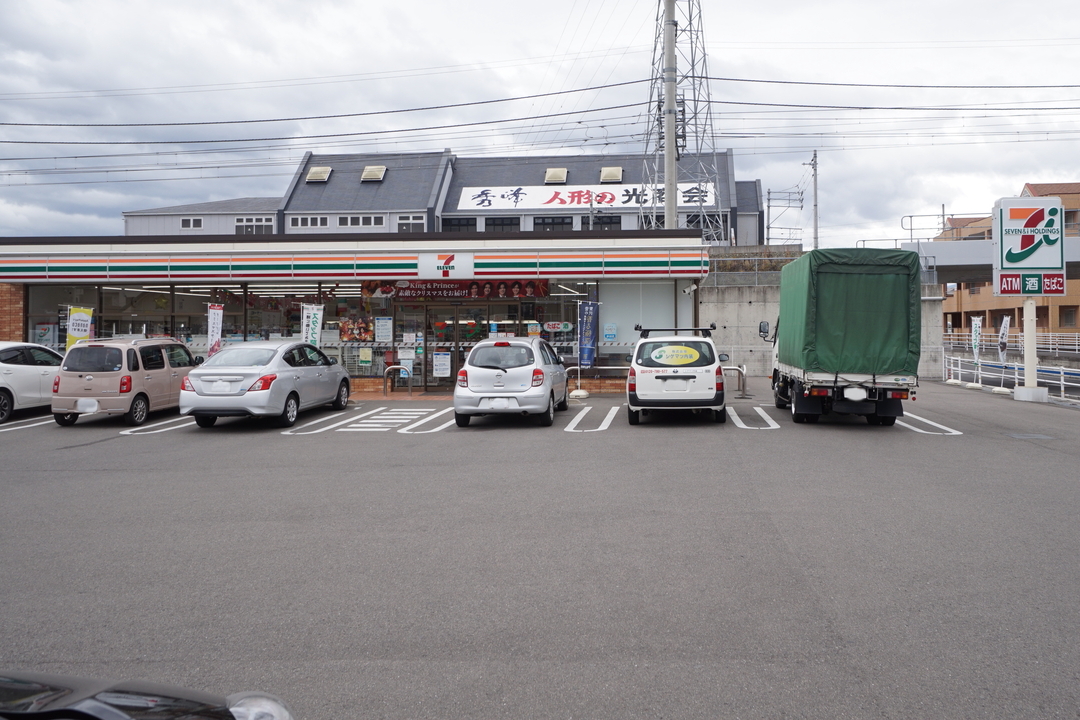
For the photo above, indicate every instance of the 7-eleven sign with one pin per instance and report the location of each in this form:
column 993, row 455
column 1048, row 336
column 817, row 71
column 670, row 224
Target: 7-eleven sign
column 445, row 266
column 1029, row 255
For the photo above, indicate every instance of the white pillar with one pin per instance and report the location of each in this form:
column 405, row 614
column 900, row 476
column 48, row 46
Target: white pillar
column 1030, row 392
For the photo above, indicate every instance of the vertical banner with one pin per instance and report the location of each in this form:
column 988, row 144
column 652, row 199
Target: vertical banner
column 1003, row 339
column 587, row 330
column 976, row 336
column 214, row 315
column 78, row 324
column 311, row 323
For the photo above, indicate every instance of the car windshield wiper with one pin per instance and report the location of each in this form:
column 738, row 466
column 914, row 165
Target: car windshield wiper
column 492, row 367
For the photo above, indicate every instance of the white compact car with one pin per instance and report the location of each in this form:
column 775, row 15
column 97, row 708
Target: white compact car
column 675, row 372
column 26, row 376
column 511, row 376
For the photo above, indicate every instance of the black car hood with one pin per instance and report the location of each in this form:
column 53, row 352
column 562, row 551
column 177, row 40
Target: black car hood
column 26, row 695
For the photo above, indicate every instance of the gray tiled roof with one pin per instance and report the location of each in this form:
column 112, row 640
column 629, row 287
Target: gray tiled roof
column 748, row 196
column 409, row 183
column 229, row 207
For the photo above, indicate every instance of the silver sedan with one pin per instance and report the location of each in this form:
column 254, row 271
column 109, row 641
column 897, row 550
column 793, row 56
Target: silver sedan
column 274, row 378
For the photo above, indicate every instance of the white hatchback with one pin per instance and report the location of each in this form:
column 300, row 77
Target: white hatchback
column 675, row 372
column 511, row 376
column 26, row 376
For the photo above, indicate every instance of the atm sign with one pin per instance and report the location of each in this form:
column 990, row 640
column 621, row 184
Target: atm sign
column 1031, row 284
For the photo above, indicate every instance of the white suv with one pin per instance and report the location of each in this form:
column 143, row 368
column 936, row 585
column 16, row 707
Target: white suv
column 675, row 372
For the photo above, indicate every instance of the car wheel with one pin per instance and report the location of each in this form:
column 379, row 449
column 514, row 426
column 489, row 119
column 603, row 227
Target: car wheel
column 205, row 420
column 797, row 417
column 6, row 406
column 65, row 419
column 564, row 404
column 138, row 412
column 886, row 421
column 547, row 418
column 633, row 416
column 287, row 418
column 720, row 415
column 462, row 420
column 342, row 399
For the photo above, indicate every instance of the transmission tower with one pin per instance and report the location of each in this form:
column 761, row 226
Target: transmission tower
column 698, row 163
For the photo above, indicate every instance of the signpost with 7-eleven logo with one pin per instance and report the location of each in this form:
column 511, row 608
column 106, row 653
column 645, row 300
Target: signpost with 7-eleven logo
column 1029, row 262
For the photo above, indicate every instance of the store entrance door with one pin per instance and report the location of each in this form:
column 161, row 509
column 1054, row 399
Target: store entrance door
column 450, row 332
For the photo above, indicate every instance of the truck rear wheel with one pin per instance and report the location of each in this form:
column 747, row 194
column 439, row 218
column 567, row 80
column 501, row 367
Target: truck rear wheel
column 777, row 400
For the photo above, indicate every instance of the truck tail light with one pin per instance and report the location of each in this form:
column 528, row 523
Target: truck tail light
column 125, row 384
column 263, row 383
column 820, row 392
column 897, row 394
column 186, row 385
column 538, row 377
column 719, row 379
column 56, row 384
column 462, row 378
column 631, row 381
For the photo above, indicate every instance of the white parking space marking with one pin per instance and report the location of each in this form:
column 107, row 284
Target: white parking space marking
column 16, row 425
column 385, row 421
column 771, row 424
column 409, row 430
column 302, row 430
column 173, row 424
column 948, row 430
column 572, row 426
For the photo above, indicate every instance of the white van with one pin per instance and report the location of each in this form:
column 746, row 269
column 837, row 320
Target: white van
column 675, row 372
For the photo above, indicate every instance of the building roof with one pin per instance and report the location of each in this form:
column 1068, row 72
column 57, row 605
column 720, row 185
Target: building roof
column 1050, row 189
column 748, row 196
column 224, row 207
column 411, row 182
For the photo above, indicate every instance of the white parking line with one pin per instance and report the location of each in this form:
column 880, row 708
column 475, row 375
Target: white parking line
column 183, row 420
column 572, row 426
column 388, row 420
column 13, row 426
column 772, row 425
column 409, row 430
column 354, row 418
column 948, row 430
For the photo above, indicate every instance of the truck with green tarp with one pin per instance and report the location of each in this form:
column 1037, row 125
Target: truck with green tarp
column 848, row 337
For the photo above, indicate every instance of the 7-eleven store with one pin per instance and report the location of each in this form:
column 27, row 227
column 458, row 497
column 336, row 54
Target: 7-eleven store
column 420, row 302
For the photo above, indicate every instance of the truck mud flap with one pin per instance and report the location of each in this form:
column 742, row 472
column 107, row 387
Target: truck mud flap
column 806, row 405
column 890, row 408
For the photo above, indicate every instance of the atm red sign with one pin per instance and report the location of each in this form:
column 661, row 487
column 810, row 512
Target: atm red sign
column 1031, row 284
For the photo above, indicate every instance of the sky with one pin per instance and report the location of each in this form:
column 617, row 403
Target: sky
column 913, row 108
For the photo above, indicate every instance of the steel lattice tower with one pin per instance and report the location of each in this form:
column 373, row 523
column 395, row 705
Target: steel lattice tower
column 698, row 161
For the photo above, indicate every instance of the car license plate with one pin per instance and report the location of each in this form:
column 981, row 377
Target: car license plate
column 499, row 403
column 220, row 387
column 677, row 385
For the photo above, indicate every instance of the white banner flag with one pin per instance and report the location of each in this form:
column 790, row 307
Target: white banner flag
column 213, row 328
column 311, row 323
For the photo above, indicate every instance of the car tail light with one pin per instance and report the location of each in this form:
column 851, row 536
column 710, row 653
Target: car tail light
column 897, row 394
column 125, row 384
column 538, row 377
column 719, row 379
column 502, row 343
column 631, row 381
column 462, row 378
column 186, row 385
column 263, row 383
column 56, row 384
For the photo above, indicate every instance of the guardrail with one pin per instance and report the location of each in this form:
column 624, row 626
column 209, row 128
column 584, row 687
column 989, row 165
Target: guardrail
column 1065, row 380
column 741, row 370
column 1044, row 342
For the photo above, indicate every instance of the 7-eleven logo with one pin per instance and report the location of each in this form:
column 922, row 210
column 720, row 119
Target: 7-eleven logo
column 1034, row 226
column 446, row 264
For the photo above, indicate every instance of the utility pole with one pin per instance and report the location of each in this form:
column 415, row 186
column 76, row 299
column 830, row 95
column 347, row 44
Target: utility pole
column 813, row 166
column 671, row 147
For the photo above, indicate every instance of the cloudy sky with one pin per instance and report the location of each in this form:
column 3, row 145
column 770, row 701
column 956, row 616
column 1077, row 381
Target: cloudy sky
column 114, row 105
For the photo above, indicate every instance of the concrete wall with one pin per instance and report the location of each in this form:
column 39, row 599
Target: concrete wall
column 737, row 310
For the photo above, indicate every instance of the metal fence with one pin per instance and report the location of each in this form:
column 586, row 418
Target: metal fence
column 1046, row 343
column 1064, row 381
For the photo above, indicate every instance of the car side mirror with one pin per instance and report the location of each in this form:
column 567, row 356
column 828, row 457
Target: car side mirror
column 763, row 329
column 724, row 357
column 333, row 360
column 198, row 359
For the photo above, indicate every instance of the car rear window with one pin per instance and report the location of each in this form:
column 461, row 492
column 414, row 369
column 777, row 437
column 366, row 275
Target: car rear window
column 241, row 357
column 505, row 357
column 94, row 359
column 681, row 353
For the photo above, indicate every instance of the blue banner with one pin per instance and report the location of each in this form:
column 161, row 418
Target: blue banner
column 587, row 331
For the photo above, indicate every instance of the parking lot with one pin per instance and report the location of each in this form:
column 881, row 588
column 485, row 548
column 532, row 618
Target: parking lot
column 382, row 562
